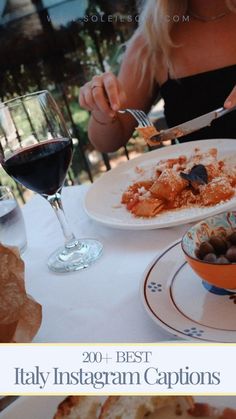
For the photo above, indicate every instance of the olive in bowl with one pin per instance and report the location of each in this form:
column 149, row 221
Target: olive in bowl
column 210, row 249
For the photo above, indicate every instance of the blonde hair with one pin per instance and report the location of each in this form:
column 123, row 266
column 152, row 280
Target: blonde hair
column 156, row 21
column 155, row 24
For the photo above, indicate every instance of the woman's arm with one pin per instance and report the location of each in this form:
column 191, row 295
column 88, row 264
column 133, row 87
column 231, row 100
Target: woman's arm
column 105, row 94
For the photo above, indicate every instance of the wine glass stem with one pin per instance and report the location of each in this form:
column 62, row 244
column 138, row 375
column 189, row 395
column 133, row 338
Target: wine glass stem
column 56, row 204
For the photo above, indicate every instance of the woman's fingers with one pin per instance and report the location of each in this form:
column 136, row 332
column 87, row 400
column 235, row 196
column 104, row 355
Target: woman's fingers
column 92, row 98
column 111, row 88
column 101, row 101
column 86, row 98
column 103, row 94
column 231, row 99
column 123, row 97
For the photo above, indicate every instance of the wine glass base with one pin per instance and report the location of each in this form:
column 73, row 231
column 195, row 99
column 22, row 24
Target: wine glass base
column 76, row 258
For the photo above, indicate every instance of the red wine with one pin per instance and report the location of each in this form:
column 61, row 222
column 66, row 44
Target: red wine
column 41, row 167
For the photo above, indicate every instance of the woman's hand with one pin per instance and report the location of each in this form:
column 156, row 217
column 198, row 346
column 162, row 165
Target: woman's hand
column 231, row 99
column 102, row 96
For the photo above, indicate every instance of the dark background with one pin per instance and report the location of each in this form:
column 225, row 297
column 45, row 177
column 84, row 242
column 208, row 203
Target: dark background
column 58, row 45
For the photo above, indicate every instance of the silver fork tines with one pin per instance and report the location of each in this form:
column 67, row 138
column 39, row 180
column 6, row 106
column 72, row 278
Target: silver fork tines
column 140, row 117
column 144, row 122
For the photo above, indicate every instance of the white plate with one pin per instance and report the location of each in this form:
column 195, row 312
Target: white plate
column 102, row 202
column 177, row 300
column 36, row 407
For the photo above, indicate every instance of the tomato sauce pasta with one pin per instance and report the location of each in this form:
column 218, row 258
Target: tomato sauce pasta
column 169, row 189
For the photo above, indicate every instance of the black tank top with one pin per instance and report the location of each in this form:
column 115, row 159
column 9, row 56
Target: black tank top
column 188, row 97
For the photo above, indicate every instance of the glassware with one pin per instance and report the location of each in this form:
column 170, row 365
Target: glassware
column 36, row 151
column 12, row 225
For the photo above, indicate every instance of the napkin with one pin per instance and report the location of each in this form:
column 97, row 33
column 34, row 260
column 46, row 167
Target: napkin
column 20, row 314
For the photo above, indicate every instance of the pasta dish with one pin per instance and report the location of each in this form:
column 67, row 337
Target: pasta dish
column 200, row 180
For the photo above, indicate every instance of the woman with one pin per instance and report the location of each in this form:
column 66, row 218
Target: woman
column 184, row 50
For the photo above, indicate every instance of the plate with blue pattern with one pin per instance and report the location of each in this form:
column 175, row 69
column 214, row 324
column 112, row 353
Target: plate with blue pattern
column 180, row 302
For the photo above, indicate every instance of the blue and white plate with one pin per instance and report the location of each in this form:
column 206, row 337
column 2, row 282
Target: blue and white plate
column 180, row 302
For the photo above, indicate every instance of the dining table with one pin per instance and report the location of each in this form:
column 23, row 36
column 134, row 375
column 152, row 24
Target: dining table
column 101, row 303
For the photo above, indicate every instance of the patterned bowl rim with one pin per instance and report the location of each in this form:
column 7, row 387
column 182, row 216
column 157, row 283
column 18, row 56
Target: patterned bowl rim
column 223, row 214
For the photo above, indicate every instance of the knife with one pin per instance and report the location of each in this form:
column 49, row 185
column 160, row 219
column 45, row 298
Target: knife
column 190, row 126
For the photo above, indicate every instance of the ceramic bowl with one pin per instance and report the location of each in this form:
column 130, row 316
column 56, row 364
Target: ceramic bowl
column 219, row 275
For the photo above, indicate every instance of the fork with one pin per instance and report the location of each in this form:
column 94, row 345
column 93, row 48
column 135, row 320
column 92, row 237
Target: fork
column 142, row 119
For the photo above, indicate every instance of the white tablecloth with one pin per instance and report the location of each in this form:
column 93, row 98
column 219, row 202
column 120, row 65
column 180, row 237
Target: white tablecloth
column 101, row 303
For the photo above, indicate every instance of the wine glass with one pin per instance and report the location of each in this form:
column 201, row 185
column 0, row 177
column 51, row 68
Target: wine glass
column 36, row 150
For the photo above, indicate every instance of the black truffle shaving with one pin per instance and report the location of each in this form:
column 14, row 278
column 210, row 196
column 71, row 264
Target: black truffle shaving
column 198, row 174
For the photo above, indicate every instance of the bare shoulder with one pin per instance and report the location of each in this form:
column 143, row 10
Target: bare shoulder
column 136, row 42
column 135, row 49
column 137, row 46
